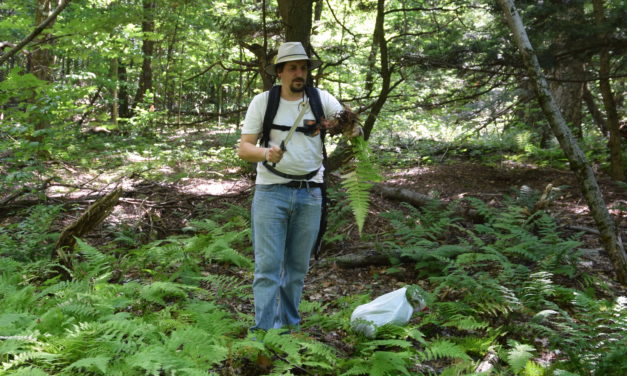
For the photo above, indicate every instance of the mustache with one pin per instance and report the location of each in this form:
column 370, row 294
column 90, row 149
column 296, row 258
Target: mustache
column 298, row 80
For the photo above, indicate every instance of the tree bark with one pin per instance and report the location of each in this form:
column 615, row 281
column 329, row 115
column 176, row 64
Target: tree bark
column 578, row 163
column 597, row 116
column 569, row 93
column 616, row 165
column 343, row 151
column 123, row 95
column 113, row 74
column 296, row 16
column 148, row 47
column 41, row 25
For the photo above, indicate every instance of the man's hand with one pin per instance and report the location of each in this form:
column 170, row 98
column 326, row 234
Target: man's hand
column 274, row 154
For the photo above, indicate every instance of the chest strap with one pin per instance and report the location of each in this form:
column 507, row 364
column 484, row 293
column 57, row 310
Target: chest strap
column 287, row 128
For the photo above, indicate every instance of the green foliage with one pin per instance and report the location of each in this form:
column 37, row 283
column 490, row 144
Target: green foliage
column 358, row 181
column 31, row 238
column 518, row 356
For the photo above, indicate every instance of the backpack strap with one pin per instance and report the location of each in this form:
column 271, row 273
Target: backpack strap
column 318, row 111
column 274, row 98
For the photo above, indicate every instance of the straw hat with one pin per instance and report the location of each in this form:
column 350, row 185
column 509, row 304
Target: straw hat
column 291, row 51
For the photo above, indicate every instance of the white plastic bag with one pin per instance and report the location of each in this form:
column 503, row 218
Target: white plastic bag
column 391, row 308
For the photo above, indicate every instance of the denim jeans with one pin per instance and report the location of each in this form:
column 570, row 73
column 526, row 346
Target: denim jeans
column 285, row 224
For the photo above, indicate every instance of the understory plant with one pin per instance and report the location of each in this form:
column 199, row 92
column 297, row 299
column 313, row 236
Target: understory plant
column 504, row 291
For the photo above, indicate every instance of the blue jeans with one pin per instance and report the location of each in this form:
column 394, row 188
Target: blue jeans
column 285, row 224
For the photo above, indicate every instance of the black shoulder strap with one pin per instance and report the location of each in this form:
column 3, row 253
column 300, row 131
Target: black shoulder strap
column 315, row 102
column 274, row 98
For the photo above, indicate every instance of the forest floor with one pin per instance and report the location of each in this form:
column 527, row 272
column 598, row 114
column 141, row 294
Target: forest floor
column 159, row 209
column 164, row 195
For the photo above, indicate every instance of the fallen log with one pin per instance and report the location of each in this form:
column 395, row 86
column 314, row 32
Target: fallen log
column 93, row 216
column 405, row 195
column 420, row 200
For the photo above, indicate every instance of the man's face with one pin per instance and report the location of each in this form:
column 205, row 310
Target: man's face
column 294, row 75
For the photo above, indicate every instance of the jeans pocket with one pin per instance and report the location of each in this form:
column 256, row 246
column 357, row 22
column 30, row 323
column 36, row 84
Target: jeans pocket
column 265, row 187
column 315, row 193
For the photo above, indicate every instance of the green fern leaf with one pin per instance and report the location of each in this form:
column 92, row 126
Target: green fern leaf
column 30, row 371
column 96, row 363
column 518, row 356
column 386, row 363
column 159, row 292
column 445, row 349
column 359, row 181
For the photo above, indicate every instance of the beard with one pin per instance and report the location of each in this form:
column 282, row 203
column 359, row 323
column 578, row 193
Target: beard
column 297, row 89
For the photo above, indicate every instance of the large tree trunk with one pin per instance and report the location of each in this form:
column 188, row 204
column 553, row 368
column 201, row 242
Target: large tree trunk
column 578, row 162
column 616, row 165
column 148, row 47
column 296, row 16
column 569, row 92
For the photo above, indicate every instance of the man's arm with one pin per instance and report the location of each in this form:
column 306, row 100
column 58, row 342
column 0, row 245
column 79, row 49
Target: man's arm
column 250, row 152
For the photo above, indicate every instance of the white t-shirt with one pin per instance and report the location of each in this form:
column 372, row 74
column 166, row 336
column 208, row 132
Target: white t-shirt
column 304, row 153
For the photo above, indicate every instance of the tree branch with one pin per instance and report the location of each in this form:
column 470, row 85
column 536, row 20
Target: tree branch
column 35, row 32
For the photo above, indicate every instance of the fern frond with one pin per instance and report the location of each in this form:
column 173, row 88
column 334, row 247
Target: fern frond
column 226, row 286
column 518, row 356
column 98, row 363
column 159, row 292
column 444, row 349
column 359, row 181
column 156, row 359
column 381, row 363
column 465, row 323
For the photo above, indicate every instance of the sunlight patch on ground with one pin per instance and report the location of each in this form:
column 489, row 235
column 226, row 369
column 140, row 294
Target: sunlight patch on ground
column 402, row 175
column 134, row 157
column 197, row 186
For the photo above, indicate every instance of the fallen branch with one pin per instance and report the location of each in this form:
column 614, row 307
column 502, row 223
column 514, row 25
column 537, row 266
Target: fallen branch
column 402, row 194
column 420, row 200
column 93, row 216
column 25, row 190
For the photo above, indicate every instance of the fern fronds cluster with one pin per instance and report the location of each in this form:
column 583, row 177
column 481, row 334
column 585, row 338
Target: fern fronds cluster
column 359, row 180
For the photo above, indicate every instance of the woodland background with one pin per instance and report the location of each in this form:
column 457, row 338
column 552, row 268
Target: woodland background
column 124, row 224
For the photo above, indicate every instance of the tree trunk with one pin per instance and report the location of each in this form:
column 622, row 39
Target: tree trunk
column 148, row 47
column 616, row 165
column 569, row 93
column 578, row 163
column 343, row 151
column 597, row 116
column 42, row 58
column 296, row 16
column 113, row 74
column 124, row 107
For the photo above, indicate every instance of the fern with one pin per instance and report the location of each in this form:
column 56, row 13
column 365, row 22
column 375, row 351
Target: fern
column 444, row 349
column 519, row 355
column 359, row 181
column 99, row 363
column 381, row 363
column 163, row 292
column 468, row 323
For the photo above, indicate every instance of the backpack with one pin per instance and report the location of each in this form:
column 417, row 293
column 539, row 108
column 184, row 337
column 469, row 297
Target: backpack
column 274, row 98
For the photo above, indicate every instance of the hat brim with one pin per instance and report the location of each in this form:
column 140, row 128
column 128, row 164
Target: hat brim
column 271, row 68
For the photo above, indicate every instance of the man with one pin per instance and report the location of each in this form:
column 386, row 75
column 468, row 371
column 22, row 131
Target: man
column 287, row 203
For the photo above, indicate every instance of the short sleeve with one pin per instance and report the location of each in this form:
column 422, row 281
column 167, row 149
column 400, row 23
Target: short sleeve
column 330, row 104
column 253, row 122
